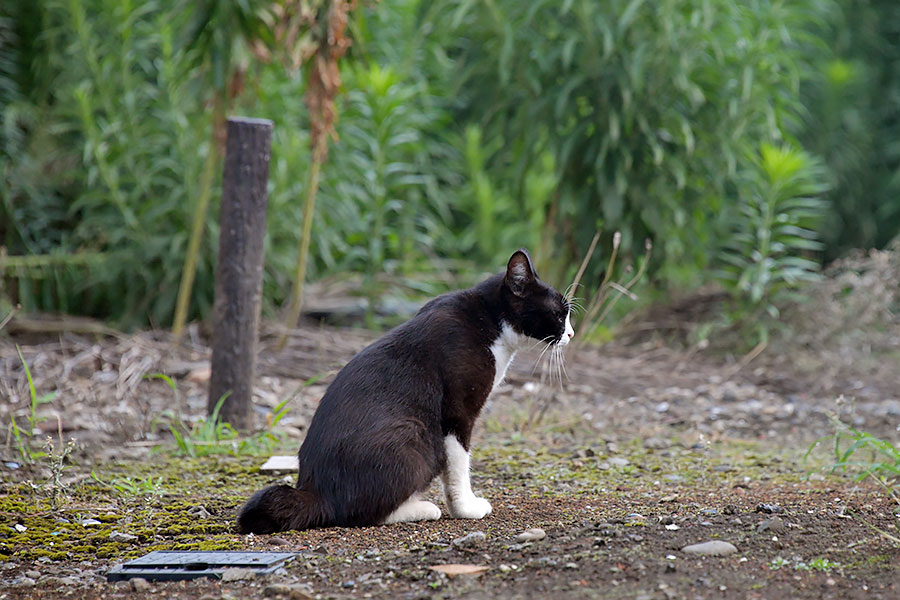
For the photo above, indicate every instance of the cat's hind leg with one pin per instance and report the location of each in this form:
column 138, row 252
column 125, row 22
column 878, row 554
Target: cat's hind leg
column 414, row 509
column 461, row 500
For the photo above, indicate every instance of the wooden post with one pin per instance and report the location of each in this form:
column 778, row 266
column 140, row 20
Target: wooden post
column 239, row 268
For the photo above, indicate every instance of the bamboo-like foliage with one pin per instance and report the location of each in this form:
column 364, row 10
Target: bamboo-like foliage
column 648, row 108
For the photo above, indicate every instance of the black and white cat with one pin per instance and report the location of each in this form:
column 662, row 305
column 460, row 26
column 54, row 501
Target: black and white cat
column 401, row 412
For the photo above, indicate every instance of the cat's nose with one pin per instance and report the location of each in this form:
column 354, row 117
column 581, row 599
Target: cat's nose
column 571, row 334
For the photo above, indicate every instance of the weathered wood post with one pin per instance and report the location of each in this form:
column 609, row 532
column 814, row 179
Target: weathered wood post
column 239, row 268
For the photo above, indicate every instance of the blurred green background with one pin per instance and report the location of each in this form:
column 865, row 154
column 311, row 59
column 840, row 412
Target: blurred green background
column 752, row 142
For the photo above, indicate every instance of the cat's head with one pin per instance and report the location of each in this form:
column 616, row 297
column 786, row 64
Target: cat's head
column 533, row 307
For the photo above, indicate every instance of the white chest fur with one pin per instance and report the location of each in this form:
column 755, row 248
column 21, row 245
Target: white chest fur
column 504, row 350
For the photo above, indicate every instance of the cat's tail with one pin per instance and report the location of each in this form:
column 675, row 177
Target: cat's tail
column 281, row 508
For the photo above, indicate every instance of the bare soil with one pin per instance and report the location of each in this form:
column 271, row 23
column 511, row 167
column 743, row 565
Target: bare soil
column 638, row 452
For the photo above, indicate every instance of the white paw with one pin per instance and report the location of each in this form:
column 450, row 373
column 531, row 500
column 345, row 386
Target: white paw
column 414, row 510
column 470, row 508
column 430, row 512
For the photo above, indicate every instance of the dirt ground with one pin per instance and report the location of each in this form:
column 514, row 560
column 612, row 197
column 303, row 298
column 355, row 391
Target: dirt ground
column 641, row 450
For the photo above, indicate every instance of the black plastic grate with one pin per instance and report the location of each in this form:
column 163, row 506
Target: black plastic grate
column 169, row 565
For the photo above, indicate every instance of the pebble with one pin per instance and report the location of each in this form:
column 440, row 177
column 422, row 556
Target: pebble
column 20, row 528
column 89, row 522
column 139, row 584
column 713, row 548
column 118, row 536
column 278, row 541
column 656, row 443
column 768, row 508
column 237, row 574
column 775, row 525
column 33, row 574
column 199, row 512
column 470, row 539
column 635, row 519
column 348, row 584
column 292, row 591
column 618, row 461
column 531, row 535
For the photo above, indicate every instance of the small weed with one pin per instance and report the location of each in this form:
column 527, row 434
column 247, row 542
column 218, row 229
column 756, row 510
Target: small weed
column 23, row 437
column 777, row 563
column 874, row 458
column 212, row 436
column 821, row 564
column 57, row 457
column 132, row 486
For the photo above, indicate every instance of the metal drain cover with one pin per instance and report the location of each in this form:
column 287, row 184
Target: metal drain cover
column 171, row 565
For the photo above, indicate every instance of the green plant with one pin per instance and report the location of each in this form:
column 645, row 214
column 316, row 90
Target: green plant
column 851, row 91
column 57, row 461
column 778, row 562
column 131, row 486
column 774, row 238
column 870, row 457
column 210, row 435
column 857, row 450
column 23, row 437
column 821, row 564
column 647, row 109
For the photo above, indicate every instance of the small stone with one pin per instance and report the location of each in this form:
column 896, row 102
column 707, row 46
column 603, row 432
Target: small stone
column 470, row 539
column 89, row 523
column 531, row 535
column 33, row 574
column 237, row 574
column 730, row 509
column 768, row 508
column 20, row 528
column 656, row 443
column 618, row 461
column 118, row 536
column 816, row 477
column 713, row 548
column 774, row 525
column 67, row 581
column 635, row 519
column 278, row 541
column 199, row 512
column 294, row 592
column 348, row 584
column 139, row 584
column 571, row 565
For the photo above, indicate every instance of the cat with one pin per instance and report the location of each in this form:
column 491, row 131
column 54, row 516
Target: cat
column 401, row 412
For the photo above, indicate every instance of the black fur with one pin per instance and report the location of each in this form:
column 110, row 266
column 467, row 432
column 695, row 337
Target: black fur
column 377, row 436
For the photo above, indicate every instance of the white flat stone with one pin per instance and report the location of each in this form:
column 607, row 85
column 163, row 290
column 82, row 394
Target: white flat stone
column 714, row 548
column 281, row 464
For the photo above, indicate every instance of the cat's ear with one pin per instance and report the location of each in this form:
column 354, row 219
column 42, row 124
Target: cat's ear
column 520, row 272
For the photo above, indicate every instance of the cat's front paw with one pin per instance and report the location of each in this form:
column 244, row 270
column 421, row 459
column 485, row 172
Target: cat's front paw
column 470, row 508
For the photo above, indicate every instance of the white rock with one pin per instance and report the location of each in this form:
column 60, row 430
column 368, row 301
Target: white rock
column 713, row 548
column 531, row 535
column 470, row 539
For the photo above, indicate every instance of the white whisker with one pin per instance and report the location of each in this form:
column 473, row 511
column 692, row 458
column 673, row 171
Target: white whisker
column 540, row 356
